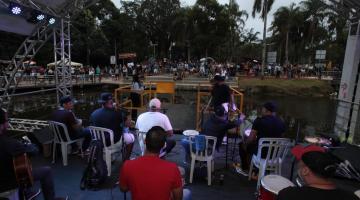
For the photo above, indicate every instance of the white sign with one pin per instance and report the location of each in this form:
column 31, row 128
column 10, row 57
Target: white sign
column 320, row 54
column 113, row 60
column 271, row 57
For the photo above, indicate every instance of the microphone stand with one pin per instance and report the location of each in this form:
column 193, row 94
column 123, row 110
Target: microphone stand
column 296, row 142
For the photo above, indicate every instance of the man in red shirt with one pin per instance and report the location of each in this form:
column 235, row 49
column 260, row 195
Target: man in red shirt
column 149, row 177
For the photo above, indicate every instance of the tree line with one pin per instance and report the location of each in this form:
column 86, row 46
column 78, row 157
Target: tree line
column 165, row 29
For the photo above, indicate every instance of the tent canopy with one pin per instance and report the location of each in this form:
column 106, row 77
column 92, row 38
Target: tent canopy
column 73, row 64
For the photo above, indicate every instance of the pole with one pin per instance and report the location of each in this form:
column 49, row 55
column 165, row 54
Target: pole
column 264, row 40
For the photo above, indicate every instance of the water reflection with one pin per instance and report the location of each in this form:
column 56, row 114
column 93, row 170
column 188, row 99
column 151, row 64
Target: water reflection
column 315, row 115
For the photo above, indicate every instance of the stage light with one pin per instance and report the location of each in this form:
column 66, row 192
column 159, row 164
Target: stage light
column 40, row 17
column 52, row 20
column 15, row 9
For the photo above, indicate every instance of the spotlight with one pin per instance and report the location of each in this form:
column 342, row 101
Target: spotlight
column 15, row 9
column 52, row 20
column 40, row 17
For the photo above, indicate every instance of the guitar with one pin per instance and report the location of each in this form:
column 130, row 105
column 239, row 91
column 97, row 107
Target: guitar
column 23, row 171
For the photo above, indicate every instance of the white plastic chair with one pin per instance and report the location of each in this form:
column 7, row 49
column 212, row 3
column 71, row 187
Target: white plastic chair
column 276, row 152
column 98, row 133
column 203, row 156
column 63, row 139
column 10, row 195
column 141, row 139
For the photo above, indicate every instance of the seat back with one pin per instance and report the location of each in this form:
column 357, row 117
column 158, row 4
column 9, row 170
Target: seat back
column 99, row 133
column 141, row 138
column 198, row 150
column 60, row 131
column 274, row 148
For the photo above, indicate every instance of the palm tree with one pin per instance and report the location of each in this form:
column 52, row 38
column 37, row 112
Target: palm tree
column 237, row 19
column 285, row 18
column 314, row 11
column 262, row 6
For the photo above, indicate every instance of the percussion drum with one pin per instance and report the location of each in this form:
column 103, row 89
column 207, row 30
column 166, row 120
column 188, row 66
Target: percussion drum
column 271, row 186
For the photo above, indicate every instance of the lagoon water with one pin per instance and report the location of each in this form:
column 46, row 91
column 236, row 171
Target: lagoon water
column 315, row 115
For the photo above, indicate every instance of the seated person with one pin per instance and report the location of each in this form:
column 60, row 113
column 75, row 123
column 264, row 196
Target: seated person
column 108, row 117
column 66, row 116
column 10, row 147
column 266, row 126
column 315, row 169
column 154, row 117
column 217, row 125
column 163, row 179
column 128, row 134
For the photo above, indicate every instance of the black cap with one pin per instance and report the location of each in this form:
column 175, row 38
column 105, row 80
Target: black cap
column 321, row 163
column 219, row 111
column 219, row 78
column 270, row 106
column 104, row 97
column 65, row 99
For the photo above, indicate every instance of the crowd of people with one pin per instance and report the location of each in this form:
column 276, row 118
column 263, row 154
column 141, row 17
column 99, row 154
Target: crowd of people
column 163, row 179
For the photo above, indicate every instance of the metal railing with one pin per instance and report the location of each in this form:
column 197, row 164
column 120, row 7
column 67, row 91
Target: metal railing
column 26, row 125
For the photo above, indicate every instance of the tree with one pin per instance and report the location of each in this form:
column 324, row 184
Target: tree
column 286, row 19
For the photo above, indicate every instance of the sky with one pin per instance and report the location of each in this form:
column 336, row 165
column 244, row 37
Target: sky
column 247, row 5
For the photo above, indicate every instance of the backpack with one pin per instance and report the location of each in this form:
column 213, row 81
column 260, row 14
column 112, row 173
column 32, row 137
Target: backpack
column 96, row 171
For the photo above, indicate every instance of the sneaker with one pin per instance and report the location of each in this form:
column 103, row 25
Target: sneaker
column 241, row 171
column 30, row 195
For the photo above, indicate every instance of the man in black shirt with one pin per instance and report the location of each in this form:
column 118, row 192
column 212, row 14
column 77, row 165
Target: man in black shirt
column 221, row 93
column 10, row 147
column 266, row 126
column 66, row 116
column 315, row 169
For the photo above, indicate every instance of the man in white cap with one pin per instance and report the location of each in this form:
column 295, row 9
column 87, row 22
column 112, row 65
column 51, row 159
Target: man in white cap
column 154, row 117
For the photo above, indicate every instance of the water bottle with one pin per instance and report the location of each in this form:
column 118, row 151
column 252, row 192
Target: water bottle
column 221, row 179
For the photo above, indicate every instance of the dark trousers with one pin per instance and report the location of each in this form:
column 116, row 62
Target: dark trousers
column 246, row 151
column 45, row 176
column 170, row 144
column 82, row 133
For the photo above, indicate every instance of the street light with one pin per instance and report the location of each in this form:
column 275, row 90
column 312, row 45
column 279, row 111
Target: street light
column 153, row 45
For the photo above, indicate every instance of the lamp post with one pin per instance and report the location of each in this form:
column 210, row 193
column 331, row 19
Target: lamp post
column 264, row 40
column 153, row 45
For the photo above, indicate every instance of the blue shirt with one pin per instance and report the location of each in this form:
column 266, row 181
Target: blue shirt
column 108, row 118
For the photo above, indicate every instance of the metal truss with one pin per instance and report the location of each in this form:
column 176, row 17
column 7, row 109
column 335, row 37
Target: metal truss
column 62, row 56
column 28, row 49
column 42, row 33
column 26, row 125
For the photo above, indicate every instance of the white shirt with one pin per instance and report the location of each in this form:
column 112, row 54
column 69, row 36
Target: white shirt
column 147, row 120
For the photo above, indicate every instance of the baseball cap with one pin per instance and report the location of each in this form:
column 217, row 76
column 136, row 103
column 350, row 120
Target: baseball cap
column 65, row 99
column 155, row 103
column 104, row 97
column 270, row 106
column 317, row 159
column 217, row 77
column 298, row 151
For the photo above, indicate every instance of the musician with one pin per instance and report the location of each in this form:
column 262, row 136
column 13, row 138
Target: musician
column 217, row 125
column 108, row 117
column 10, row 147
column 266, row 126
column 221, row 93
column 64, row 114
column 315, row 169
